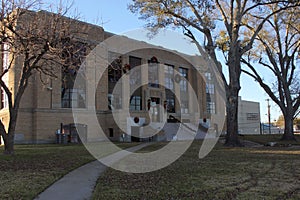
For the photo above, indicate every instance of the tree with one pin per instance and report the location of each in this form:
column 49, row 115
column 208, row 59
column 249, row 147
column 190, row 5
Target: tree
column 277, row 50
column 202, row 17
column 31, row 43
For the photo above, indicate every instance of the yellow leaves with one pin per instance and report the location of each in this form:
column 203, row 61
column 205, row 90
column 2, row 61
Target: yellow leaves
column 222, row 41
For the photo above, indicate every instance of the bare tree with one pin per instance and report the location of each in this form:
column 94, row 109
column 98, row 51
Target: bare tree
column 202, row 17
column 277, row 50
column 32, row 42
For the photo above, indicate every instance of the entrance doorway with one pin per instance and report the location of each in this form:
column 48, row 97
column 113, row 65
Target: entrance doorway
column 154, row 109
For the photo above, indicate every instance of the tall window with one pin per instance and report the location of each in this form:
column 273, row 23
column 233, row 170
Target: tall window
column 153, row 72
column 210, row 94
column 211, row 107
column 5, row 65
column 210, row 88
column 72, row 97
column 114, row 75
column 169, row 88
column 135, row 83
column 184, row 97
column 135, row 103
column 74, row 55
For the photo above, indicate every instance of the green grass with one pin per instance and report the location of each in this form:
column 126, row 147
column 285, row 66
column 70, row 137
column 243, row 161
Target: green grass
column 226, row 173
column 35, row 167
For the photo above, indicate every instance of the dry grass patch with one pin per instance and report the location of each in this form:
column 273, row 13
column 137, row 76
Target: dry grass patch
column 35, row 167
column 226, row 173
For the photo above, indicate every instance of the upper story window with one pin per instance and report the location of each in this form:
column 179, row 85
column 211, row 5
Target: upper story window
column 184, row 97
column 71, row 96
column 169, row 85
column 208, row 76
column 184, row 80
column 153, row 77
column 5, row 56
column 115, row 67
column 135, row 83
column 135, row 72
column 114, row 74
column 210, row 88
column 169, row 76
column 5, row 65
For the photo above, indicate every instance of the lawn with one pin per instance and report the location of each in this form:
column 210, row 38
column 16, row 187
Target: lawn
column 34, row 167
column 226, row 173
column 264, row 139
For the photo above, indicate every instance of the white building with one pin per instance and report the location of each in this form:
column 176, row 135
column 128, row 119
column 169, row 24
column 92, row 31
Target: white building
column 248, row 117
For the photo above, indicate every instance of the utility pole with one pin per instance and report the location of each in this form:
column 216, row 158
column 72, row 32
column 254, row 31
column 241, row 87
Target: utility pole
column 269, row 115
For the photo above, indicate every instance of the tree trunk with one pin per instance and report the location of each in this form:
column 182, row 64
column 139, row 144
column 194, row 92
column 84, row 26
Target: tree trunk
column 9, row 139
column 232, row 119
column 9, row 144
column 288, row 128
column 232, row 95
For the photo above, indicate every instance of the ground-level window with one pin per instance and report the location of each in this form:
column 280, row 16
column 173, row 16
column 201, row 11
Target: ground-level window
column 170, row 98
column 135, row 103
column 211, row 107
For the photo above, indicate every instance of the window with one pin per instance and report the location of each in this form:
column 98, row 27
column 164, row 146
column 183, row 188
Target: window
column 169, row 88
column 114, row 74
column 210, row 88
column 114, row 101
column 5, row 65
column 4, row 102
column 211, row 107
column 135, row 83
column 135, row 103
column 169, row 76
column 183, row 82
column 70, row 96
column 135, row 74
column 184, row 90
column 208, row 76
column 115, row 67
column 153, row 72
column 74, row 68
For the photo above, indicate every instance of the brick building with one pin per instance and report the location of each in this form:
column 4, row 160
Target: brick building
column 47, row 106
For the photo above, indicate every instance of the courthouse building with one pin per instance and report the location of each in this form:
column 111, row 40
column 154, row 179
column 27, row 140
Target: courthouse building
column 47, row 107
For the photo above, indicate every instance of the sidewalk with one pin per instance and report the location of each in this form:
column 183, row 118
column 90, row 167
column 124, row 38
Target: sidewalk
column 79, row 183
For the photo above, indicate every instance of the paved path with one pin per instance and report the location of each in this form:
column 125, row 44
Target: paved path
column 79, row 184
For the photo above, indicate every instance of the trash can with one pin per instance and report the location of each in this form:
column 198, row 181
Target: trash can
column 64, row 139
column 58, row 137
column 61, row 138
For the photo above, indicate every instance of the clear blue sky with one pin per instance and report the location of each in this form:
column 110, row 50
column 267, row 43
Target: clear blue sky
column 114, row 17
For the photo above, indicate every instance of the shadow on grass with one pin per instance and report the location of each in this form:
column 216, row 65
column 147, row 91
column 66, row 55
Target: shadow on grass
column 226, row 173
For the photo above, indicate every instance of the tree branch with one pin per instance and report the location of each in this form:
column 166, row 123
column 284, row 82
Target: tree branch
column 260, row 26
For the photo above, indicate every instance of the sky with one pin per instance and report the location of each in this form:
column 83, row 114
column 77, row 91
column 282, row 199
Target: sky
column 114, row 17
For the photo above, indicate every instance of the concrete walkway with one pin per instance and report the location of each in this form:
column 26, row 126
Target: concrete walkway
column 79, row 184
